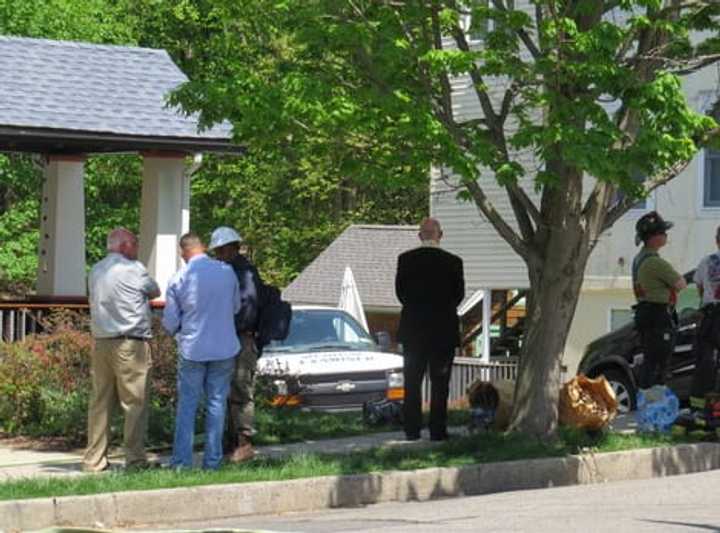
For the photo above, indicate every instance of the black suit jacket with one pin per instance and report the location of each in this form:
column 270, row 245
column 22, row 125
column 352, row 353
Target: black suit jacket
column 430, row 285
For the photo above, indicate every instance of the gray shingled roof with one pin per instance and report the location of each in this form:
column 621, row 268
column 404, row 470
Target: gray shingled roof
column 371, row 252
column 74, row 86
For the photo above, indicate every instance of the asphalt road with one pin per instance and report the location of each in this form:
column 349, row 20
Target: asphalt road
column 689, row 503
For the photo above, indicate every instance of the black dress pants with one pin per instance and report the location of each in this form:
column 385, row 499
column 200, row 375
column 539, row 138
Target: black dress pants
column 708, row 343
column 415, row 365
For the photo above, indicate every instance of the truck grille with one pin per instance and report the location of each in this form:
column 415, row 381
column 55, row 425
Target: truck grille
column 375, row 375
column 342, row 400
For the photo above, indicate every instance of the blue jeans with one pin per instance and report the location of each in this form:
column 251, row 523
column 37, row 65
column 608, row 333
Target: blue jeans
column 195, row 379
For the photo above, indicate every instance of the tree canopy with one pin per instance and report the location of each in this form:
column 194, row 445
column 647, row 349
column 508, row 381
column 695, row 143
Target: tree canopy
column 574, row 99
column 346, row 105
column 288, row 204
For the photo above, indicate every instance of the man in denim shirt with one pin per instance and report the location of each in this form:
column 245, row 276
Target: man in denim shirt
column 201, row 301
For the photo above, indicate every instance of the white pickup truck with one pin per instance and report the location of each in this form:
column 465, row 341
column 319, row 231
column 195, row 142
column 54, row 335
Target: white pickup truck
column 336, row 362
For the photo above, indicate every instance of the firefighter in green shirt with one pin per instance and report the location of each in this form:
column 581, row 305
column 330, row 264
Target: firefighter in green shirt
column 656, row 284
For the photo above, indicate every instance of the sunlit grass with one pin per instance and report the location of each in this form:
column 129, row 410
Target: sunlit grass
column 484, row 448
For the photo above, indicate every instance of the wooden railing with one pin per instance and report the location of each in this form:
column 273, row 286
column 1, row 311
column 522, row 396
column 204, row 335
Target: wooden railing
column 19, row 318
column 466, row 370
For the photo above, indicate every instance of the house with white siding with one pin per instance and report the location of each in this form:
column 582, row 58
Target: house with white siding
column 691, row 201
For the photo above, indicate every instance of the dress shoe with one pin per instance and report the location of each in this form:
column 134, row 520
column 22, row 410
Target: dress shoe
column 108, row 467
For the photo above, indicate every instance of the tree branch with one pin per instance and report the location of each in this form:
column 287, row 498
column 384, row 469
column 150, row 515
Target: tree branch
column 479, row 84
column 627, row 202
column 503, row 228
column 674, row 8
column 529, row 205
column 650, row 185
column 527, row 230
column 697, row 64
column 473, row 123
column 444, row 81
column 507, row 100
column 524, row 36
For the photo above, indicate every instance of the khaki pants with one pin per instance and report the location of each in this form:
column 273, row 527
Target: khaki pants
column 242, row 403
column 119, row 372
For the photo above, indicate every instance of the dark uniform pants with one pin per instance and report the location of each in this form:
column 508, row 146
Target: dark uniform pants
column 708, row 341
column 415, row 365
column 656, row 324
column 241, row 400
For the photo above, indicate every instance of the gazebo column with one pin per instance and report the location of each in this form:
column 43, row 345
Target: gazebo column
column 164, row 213
column 61, row 250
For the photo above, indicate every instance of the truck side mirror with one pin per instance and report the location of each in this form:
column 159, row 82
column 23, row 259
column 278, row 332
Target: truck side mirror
column 383, row 340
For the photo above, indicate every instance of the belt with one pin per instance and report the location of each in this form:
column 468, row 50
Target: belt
column 126, row 337
column 655, row 304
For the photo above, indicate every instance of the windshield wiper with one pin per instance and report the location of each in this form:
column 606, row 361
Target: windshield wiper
column 330, row 346
column 280, row 349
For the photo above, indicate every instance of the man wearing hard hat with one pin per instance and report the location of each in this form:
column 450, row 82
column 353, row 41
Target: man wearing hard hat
column 225, row 245
column 656, row 284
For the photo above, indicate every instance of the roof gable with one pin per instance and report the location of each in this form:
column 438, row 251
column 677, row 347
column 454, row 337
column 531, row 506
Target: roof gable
column 371, row 252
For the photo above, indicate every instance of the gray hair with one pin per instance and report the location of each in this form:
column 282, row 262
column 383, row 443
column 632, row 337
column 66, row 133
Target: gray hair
column 117, row 237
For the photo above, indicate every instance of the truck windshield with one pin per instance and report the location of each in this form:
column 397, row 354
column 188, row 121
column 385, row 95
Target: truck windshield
column 323, row 329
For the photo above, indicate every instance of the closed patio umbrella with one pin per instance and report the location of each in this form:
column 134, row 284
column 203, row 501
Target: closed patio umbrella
column 350, row 298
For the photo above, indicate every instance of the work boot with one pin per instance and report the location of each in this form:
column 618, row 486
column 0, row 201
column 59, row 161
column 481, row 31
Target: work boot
column 243, row 452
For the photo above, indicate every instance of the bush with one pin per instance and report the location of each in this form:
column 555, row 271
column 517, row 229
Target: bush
column 45, row 382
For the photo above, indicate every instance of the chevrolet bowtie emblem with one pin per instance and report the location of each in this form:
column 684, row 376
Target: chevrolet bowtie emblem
column 345, row 386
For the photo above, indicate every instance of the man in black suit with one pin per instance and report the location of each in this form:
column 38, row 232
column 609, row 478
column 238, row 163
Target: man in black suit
column 430, row 285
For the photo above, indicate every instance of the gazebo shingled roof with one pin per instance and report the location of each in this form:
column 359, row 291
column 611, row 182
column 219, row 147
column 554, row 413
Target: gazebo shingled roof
column 68, row 97
column 371, row 251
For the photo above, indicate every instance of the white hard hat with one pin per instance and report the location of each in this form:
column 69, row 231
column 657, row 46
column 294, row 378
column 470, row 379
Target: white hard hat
column 222, row 236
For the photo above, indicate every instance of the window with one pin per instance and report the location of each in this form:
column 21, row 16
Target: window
column 643, row 203
column 619, row 318
column 711, row 182
column 477, row 30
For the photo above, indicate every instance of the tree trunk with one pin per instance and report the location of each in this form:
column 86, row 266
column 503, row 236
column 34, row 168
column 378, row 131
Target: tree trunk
column 555, row 292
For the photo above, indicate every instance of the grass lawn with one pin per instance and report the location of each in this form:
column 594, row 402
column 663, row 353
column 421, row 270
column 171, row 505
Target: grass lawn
column 286, row 425
column 484, row 448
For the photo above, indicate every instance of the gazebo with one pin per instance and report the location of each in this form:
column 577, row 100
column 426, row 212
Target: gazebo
column 67, row 101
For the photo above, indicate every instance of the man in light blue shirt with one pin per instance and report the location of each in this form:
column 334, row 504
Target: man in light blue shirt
column 201, row 301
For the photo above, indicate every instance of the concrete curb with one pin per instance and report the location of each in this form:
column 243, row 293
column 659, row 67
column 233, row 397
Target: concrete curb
column 221, row 501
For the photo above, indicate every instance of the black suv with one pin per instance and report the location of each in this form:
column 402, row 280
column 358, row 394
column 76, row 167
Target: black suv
column 618, row 354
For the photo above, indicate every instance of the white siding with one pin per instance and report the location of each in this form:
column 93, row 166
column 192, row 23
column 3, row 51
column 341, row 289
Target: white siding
column 489, row 261
column 607, row 282
column 679, row 201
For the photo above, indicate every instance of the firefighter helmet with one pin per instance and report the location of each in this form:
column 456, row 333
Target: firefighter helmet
column 649, row 225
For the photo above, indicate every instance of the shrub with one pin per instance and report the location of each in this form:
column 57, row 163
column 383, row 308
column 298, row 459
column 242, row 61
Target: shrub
column 45, row 382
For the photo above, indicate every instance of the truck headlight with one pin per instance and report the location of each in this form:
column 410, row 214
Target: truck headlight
column 281, row 387
column 395, row 379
